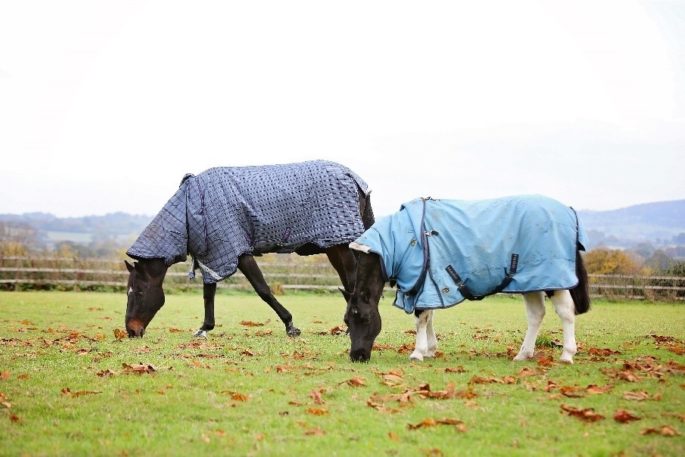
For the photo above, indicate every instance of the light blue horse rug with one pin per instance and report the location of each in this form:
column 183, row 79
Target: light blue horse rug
column 223, row 213
column 440, row 252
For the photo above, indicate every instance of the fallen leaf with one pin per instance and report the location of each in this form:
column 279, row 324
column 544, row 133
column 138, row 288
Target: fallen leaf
column 572, row 391
column 393, row 379
column 458, row 369
column 119, row 334
column 175, row 330
column 586, row 414
column 4, row 375
column 105, row 373
column 237, row 396
column 314, row 432
column 265, row 332
column 545, row 361
column 355, row 382
column 316, row 396
column 338, row 330
column 14, row 418
column 68, row 393
column 483, row 380
column 138, row 368
column 636, row 395
column 602, row 352
column 317, row 411
column 664, row 430
column 393, row 436
column 251, row 324
column 247, row 352
column 624, row 416
column 594, row 389
column 430, row 422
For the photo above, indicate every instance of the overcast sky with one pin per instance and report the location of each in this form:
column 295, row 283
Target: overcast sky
column 104, row 106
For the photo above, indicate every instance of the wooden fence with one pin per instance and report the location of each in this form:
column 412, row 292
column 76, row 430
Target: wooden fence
column 283, row 272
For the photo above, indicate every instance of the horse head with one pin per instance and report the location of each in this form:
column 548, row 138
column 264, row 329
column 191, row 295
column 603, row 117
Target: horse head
column 145, row 294
column 362, row 317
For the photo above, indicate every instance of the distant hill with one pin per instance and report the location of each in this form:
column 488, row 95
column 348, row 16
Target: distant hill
column 50, row 229
column 660, row 223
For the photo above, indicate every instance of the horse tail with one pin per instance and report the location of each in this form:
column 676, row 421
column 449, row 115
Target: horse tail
column 581, row 292
column 366, row 210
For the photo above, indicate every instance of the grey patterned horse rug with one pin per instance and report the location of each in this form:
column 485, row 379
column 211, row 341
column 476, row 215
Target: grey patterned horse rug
column 440, row 252
column 223, row 213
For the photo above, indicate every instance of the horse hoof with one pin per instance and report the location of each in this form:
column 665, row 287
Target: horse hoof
column 522, row 356
column 566, row 359
column 200, row 334
column 417, row 356
column 293, row 331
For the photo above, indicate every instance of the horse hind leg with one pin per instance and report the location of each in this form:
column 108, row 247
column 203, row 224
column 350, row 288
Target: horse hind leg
column 432, row 339
column 421, row 346
column 563, row 305
column 208, row 293
column 248, row 266
column 535, row 311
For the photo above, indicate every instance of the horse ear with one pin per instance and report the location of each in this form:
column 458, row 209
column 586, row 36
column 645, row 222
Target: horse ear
column 345, row 293
column 129, row 267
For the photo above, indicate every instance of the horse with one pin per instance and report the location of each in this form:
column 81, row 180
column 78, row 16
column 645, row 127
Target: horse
column 225, row 216
column 441, row 252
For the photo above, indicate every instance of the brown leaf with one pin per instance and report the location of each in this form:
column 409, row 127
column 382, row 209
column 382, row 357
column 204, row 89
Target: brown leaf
column 355, row 382
column 317, row 411
column 68, row 393
column 251, row 324
column 337, row 330
column 636, row 395
column 119, row 334
column 527, row 371
column 316, row 396
column 594, row 389
column 138, row 368
column 602, row 352
column 175, row 330
column 265, row 332
column 393, row 379
column 4, row 375
column 430, row 422
column 105, row 373
column 458, row 369
column 14, row 418
column 664, row 430
column 483, row 380
column 572, row 391
column 624, row 416
column 237, row 396
column 545, row 361
column 586, row 414
column 316, row 431
column 247, row 353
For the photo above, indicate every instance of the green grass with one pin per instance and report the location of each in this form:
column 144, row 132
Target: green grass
column 246, row 391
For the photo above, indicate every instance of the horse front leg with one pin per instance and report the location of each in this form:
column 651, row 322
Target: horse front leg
column 248, row 266
column 535, row 310
column 208, row 293
column 421, row 347
column 563, row 305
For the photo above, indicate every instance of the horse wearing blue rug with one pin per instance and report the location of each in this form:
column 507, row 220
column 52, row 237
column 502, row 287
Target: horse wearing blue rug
column 225, row 216
column 440, row 252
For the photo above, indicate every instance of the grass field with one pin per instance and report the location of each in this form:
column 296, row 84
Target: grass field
column 69, row 387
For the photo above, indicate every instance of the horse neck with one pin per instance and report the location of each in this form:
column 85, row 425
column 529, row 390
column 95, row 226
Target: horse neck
column 156, row 268
column 370, row 274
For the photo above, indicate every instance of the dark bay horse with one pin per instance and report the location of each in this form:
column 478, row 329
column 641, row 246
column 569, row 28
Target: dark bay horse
column 225, row 216
column 440, row 252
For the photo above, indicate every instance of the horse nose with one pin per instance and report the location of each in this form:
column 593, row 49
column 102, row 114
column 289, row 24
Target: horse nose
column 135, row 329
column 359, row 355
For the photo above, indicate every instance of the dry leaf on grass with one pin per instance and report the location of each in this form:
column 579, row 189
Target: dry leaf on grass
column 119, row 334
column 430, row 422
column 141, row 368
column 664, row 430
column 251, row 324
column 355, row 382
column 624, row 416
column 317, row 411
column 585, row 414
column 79, row 393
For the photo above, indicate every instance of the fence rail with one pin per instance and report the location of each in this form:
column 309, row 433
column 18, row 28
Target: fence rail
column 288, row 272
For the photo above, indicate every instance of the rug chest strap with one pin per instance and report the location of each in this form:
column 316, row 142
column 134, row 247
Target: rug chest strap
column 466, row 291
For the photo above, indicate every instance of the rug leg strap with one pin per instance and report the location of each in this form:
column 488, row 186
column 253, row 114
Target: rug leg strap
column 466, row 291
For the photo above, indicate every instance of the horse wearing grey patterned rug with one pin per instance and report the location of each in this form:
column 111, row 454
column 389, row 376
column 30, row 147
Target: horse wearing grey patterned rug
column 226, row 216
column 441, row 252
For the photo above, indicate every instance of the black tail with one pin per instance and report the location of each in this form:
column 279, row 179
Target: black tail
column 581, row 293
column 365, row 209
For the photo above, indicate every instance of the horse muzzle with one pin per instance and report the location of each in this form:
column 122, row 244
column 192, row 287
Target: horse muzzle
column 360, row 355
column 135, row 329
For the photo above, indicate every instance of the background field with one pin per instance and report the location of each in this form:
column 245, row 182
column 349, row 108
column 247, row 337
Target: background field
column 69, row 387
